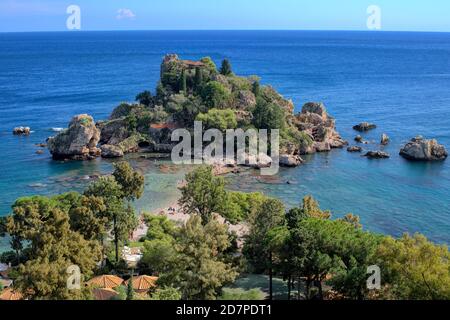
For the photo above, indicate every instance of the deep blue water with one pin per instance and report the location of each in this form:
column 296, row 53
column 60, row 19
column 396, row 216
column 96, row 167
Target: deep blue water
column 400, row 81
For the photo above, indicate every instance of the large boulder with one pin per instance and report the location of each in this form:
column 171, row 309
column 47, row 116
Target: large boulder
column 315, row 122
column 377, row 155
column 364, row 126
column 290, row 160
column 25, row 131
column 78, row 142
column 354, row 149
column 420, row 149
column 110, row 151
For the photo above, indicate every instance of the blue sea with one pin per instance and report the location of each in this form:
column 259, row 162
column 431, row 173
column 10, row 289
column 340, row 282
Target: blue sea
column 399, row 81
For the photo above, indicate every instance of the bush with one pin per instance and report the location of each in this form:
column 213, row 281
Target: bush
column 218, row 119
column 268, row 116
column 215, row 95
column 242, row 295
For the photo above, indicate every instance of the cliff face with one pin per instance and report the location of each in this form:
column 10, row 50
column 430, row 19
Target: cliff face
column 320, row 127
column 78, row 142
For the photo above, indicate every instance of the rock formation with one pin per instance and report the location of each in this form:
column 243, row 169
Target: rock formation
column 25, row 131
column 377, row 155
column 364, row 126
column 78, row 142
column 354, row 149
column 320, row 127
column 420, row 149
column 289, row 160
column 110, row 151
column 384, row 139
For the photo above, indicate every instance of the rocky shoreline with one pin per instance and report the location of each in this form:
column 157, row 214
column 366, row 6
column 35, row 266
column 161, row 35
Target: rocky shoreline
column 147, row 126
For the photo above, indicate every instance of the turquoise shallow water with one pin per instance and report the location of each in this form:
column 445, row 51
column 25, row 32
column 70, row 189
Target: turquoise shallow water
column 399, row 81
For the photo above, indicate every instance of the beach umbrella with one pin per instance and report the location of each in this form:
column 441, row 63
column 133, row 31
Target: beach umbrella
column 143, row 283
column 103, row 294
column 10, row 294
column 105, row 281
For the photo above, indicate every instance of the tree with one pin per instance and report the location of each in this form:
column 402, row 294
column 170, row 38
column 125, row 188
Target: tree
column 258, row 249
column 203, row 193
column 158, row 255
column 166, row 293
column 198, row 78
column 130, row 290
column 226, row 68
column 145, row 98
column 414, row 268
column 256, row 88
column 183, row 82
column 216, row 95
column 312, row 209
column 131, row 182
column 117, row 191
column 56, row 248
column 268, row 115
column 160, row 228
column 200, row 271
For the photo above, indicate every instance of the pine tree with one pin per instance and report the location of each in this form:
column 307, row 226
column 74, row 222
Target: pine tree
column 198, row 78
column 130, row 290
column 183, row 82
column 226, row 68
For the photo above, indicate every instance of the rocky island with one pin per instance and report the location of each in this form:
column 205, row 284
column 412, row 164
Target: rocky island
column 197, row 90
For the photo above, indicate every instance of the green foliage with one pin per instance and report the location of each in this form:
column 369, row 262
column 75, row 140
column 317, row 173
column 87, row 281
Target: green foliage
column 218, row 119
column 56, row 248
column 160, row 228
column 130, row 290
column 216, row 95
column 124, row 185
column 166, row 293
column 239, row 205
column 159, row 255
column 200, row 271
column 145, row 98
column 268, row 115
column 226, row 68
column 210, row 65
column 241, row 295
column 131, row 182
column 270, row 215
column 183, row 82
column 256, row 88
column 203, row 193
column 312, row 209
column 198, row 78
column 415, row 268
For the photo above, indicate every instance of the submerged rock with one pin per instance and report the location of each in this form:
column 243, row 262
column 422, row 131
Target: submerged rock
column 384, row 139
column 420, row 149
column 78, row 142
column 364, row 126
column 377, row 155
column 359, row 139
column 354, row 149
column 25, row 131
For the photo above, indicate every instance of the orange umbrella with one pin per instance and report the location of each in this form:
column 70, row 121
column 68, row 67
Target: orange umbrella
column 143, row 283
column 9, row 294
column 104, row 294
column 105, row 281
